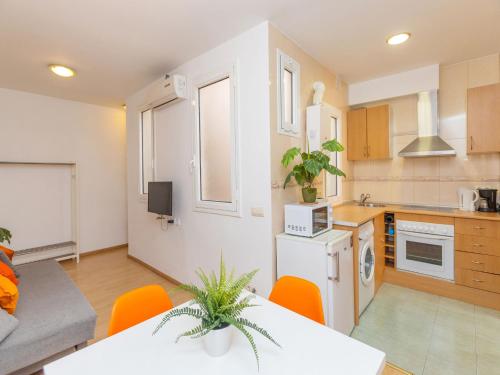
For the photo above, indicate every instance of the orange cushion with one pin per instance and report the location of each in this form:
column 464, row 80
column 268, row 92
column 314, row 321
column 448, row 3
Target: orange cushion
column 8, row 295
column 7, row 251
column 6, row 271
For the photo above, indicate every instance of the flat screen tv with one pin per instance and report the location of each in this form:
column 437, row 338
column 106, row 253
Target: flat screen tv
column 160, row 197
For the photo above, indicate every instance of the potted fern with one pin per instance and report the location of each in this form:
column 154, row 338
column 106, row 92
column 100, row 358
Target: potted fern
column 5, row 235
column 311, row 166
column 218, row 306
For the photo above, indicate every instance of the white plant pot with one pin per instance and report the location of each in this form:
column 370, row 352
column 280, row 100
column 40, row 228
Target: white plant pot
column 218, row 341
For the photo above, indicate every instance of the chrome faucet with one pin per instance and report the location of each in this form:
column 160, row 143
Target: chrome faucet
column 363, row 198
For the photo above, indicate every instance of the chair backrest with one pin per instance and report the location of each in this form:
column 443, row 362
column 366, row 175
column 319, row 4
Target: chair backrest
column 137, row 306
column 299, row 295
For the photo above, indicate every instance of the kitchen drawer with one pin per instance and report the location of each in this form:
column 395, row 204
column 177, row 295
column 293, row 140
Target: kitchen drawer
column 477, row 262
column 477, row 244
column 478, row 280
column 474, row 227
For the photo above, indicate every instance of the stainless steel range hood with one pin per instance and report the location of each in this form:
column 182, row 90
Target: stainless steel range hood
column 428, row 142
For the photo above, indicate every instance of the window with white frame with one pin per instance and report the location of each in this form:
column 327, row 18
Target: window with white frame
column 146, row 137
column 216, row 185
column 288, row 91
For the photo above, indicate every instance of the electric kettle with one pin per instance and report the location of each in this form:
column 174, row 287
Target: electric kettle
column 467, row 199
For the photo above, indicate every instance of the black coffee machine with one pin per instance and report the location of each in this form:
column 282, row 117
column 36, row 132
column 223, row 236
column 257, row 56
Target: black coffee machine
column 487, row 200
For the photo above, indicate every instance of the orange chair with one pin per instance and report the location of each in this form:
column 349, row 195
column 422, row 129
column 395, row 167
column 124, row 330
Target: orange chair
column 137, row 306
column 299, row 295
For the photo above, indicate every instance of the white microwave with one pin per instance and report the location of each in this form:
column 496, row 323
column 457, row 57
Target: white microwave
column 308, row 219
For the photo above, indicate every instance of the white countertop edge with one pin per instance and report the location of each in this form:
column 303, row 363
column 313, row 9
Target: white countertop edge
column 345, row 223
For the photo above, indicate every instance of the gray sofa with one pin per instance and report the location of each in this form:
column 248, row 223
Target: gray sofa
column 54, row 319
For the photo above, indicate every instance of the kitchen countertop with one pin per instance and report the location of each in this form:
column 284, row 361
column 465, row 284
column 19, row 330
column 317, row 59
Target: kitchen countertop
column 352, row 215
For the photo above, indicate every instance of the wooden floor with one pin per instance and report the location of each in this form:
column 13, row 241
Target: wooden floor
column 102, row 277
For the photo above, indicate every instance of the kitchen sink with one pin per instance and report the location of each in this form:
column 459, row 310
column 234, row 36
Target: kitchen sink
column 372, row 205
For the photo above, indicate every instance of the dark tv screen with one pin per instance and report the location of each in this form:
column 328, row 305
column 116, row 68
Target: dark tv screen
column 160, row 197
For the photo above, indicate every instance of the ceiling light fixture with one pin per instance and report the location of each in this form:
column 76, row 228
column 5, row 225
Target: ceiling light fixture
column 398, row 38
column 62, row 71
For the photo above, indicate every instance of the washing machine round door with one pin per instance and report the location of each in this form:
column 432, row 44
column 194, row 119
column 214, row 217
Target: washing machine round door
column 367, row 263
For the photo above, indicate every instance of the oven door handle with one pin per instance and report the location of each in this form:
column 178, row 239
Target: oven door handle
column 425, row 235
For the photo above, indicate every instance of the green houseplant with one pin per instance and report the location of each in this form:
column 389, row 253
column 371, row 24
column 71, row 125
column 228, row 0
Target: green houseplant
column 5, row 235
column 311, row 166
column 218, row 306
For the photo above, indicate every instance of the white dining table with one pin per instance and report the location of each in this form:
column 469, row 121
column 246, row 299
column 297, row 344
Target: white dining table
column 308, row 348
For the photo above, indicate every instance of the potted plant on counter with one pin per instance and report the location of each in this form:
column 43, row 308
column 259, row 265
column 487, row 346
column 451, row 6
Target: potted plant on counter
column 219, row 306
column 311, row 166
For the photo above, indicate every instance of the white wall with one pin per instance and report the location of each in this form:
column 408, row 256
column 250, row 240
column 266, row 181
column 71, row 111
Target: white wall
column 45, row 129
column 245, row 241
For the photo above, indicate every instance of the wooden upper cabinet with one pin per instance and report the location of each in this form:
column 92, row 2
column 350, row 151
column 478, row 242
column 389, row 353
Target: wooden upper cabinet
column 356, row 134
column 368, row 133
column 483, row 119
column 377, row 126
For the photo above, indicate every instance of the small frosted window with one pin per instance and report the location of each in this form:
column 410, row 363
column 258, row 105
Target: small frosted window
column 288, row 89
column 288, row 96
column 214, row 102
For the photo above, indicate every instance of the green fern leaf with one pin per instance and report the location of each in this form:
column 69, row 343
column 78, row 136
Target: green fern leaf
column 255, row 327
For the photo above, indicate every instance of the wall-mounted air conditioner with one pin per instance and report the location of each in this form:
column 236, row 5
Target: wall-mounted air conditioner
column 170, row 89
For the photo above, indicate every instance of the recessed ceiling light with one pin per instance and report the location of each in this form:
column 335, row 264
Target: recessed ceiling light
column 62, row 71
column 398, row 38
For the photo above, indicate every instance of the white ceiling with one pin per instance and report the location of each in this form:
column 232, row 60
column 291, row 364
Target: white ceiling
column 119, row 46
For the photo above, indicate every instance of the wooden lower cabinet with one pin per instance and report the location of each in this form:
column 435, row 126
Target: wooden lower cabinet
column 477, row 262
column 478, row 227
column 478, row 280
column 477, row 244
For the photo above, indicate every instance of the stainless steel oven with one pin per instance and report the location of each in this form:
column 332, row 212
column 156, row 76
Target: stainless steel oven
column 425, row 248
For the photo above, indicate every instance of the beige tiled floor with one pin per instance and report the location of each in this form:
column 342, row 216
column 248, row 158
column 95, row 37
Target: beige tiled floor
column 431, row 335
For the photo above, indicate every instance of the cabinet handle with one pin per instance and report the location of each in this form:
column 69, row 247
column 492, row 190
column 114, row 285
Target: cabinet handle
column 477, row 245
column 478, row 281
column 478, row 228
column 477, row 262
column 471, row 142
column 337, row 263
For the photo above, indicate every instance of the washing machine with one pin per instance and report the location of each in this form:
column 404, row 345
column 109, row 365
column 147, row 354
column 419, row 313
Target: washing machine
column 366, row 265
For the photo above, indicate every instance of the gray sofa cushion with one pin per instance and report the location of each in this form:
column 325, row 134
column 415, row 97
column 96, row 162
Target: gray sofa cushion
column 53, row 316
column 8, row 323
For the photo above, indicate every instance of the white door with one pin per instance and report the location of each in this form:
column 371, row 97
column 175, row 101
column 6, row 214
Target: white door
column 341, row 306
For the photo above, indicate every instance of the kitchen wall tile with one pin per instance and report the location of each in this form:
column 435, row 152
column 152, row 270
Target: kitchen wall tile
column 453, row 166
column 426, row 167
column 363, row 168
column 379, row 191
column 453, row 127
column 426, row 192
column 381, row 168
column 448, row 193
column 484, row 71
column 360, row 187
column 401, row 192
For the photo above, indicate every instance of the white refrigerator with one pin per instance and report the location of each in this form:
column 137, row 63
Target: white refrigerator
column 327, row 261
